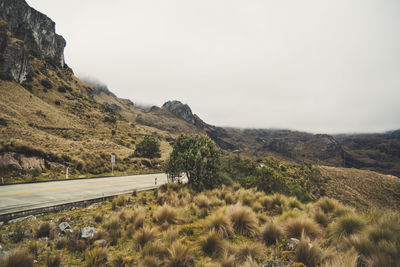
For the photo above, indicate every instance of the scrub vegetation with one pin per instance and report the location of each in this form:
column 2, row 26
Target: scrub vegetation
column 179, row 226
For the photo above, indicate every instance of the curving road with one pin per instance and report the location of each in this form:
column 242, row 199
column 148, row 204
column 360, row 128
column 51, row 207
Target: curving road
column 23, row 197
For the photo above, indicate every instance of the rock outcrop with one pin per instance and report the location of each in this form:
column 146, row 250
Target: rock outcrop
column 26, row 34
column 184, row 112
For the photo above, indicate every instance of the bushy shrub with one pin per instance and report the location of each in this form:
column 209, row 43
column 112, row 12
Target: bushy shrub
column 149, row 147
column 3, row 122
column 46, row 84
column 243, row 220
column 62, row 89
column 57, row 102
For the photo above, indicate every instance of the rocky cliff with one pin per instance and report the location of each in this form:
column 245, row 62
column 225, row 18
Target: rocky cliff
column 184, row 112
column 26, row 34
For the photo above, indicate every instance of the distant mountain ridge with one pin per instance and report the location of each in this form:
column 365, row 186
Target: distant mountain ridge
column 50, row 119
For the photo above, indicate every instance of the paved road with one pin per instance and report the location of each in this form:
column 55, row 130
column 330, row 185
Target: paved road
column 21, row 197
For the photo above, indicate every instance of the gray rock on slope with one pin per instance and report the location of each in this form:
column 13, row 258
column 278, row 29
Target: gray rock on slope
column 25, row 32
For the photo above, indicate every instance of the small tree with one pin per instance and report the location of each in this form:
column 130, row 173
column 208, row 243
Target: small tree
column 149, row 147
column 199, row 158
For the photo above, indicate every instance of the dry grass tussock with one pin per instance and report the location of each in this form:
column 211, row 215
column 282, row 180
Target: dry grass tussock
column 212, row 244
column 295, row 227
column 271, row 233
column 145, row 235
column 243, row 220
column 96, row 257
column 346, row 226
column 179, row 255
column 220, row 223
column 19, row 257
column 307, row 253
column 167, row 214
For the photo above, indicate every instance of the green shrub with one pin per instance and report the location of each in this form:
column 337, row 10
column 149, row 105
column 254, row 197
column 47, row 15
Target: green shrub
column 3, row 122
column 57, row 102
column 149, row 147
column 62, row 89
column 46, row 84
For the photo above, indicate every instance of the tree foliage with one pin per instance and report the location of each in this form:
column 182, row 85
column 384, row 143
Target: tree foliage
column 199, row 158
column 149, row 147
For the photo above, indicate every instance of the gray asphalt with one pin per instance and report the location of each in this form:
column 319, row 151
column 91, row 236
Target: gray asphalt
column 22, row 197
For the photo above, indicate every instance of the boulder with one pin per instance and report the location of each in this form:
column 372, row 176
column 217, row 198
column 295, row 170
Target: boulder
column 88, row 232
column 64, row 227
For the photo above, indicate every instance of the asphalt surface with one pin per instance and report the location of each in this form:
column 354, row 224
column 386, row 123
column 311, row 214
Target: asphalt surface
column 22, row 197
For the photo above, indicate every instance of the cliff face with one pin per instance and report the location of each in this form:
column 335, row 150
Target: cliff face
column 25, row 34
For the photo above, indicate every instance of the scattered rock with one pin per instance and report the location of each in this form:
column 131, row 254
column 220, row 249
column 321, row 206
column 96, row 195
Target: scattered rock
column 65, row 227
column 27, row 218
column 88, row 232
column 293, row 243
column 100, row 243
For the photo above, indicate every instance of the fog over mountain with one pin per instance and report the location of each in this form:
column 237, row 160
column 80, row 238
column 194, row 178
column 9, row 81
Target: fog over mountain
column 318, row 66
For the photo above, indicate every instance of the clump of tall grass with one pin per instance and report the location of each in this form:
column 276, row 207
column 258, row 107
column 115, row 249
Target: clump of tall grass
column 202, row 201
column 212, row 244
column 308, row 254
column 295, row 227
column 345, row 226
column 243, row 220
column 227, row 260
column 167, row 214
column 321, row 217
column 252, row 250
column 44, row 230
column 294, row 203
column 271, row 233
column 328, row 205
column 145, row 235
column 221, row 224
column 53, row 260
column 19, row 257
column 150, row 261
column 178, row 256
column 155, row 249
column 96, row 257
column 114, row 228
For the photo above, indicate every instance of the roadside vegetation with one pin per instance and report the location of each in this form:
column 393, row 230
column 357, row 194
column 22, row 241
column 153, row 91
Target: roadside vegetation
column 226, row 226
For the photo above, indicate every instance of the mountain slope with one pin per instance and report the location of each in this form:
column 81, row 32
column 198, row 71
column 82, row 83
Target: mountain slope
column 50, row 119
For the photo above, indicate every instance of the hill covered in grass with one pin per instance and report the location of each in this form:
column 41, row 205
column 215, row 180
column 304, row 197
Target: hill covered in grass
column 50, row 119
column 229, row 226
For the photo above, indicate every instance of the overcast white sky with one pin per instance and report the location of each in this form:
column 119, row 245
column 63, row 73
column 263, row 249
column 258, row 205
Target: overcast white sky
column 312, row 65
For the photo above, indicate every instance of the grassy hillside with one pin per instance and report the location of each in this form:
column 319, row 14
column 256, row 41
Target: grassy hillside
column 362, row 189
column 230, row 226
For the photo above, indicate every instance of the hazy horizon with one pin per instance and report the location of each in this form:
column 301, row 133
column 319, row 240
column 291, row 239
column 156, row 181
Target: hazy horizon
column 314, row 66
